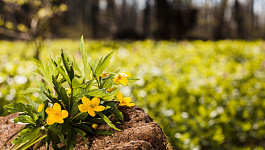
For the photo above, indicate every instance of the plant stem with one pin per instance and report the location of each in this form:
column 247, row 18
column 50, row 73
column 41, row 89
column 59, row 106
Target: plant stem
column 38, row 144
column 28, row 142
column 76, row 116
column 27, row 146
column 14, row 146
column 83, row 122
column 11, row 137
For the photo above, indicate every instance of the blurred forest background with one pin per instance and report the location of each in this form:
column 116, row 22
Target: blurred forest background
column 132, row 19
column 201, row 63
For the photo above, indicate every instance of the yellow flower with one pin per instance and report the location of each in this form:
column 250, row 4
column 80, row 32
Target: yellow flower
column 94, row 126
column 124, row 101
column 40, row 107
column 103, row 75
column 122, row 78
column 69, row 90
column 90, row 106
column 55, row 114
column 110, row 90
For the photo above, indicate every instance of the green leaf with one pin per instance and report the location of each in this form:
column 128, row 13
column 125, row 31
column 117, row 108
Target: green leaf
column 61, row 71
column 131, row 79
column 96, row 120
column 82, row 133
column 76, row 67
column 102, row 65
column 84, row 127
column 44, row 71
column 61, row 93
column 89, row 85
column 26, row 134
column 81, row 117
column 75, row 109
column 24, row 119
column 20, row 107
column 71, row 139
column 106, row 119
column 96, row 93
column 32, row 103
column 103, row 132
column 65, row 126
column 65, row 62
column 111, row 95
column 84, row 57
column 68, row 65
column 117, row 113
column 53, row 100
column 54, row 138
column 55, row 129
column 77, row 84
column 30, row 90
column 92, row 70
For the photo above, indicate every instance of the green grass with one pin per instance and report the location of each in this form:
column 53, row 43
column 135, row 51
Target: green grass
column 205, row 95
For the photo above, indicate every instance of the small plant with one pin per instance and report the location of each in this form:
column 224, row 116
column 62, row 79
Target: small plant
column 73, row 102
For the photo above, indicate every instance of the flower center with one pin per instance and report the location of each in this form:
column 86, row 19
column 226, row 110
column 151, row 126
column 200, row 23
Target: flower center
column 119, row 77
column 57, row 114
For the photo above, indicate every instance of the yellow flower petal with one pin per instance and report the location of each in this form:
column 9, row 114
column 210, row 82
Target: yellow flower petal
column 40, row 107
column 83, row 107
column 131, row 104
column 110, row 90
column 60, row 120
column 123, row 81
column 85, row 101
column 104, row 74
column 99, row 108
column 95, row 101
column 91, row 112
column 94, row 126
column 127, row 100
column 56, row 107
column 122, row 104
column 115, row 79
column 49, row 110
column 127, row 73
column 50, row 120
column 119, row 96
column 64, row 113
column 69, row 90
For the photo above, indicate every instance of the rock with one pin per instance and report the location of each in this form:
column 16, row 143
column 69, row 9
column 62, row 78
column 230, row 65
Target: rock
column 139, row 131
column 8, row 128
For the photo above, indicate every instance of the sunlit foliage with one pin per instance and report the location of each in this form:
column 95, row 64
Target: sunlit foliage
column 205, row 95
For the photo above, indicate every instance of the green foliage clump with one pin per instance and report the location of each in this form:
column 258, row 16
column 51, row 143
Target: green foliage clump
column 205, row 95
column 73, row 101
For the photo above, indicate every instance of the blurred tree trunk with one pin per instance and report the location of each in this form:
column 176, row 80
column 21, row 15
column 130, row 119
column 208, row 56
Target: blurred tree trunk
column 95, row 18
column 219, row 32
column 251, row 18
column 239, row 20
column 146, row 22
column 163, row 19
column 111, row 17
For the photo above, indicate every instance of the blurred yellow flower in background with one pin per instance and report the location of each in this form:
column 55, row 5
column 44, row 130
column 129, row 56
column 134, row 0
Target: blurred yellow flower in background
column 69, row 90
column 122, row 78
column 40, row 107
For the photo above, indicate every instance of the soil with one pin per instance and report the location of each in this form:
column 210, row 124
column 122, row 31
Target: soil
column 139, row 131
